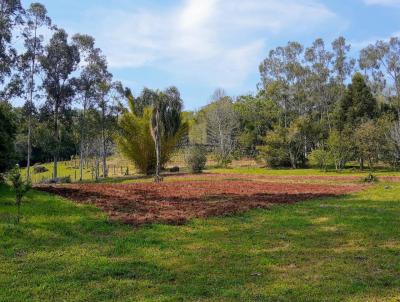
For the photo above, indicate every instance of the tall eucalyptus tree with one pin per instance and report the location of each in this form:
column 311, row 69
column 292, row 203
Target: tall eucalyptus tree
column 382, row 60
column 283, row 77
column 59, row 60
column 35, row 19
column 90, row 88
column 319, row 60
column 11, row 17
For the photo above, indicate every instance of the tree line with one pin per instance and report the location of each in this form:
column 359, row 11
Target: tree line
column 316, row 105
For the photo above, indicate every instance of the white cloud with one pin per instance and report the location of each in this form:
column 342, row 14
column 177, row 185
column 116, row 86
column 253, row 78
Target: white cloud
column 220, row 41
column 358, row 45
column 383, row 2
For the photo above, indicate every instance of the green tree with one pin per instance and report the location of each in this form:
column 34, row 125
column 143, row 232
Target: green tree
column 135, row 139
column 11, row 13
column 358, row 104
column 382, row 61
column 370, row 141
column 8, row 132
column 257, row 115
column 59, row 61
column 274, row 151
column 321, row 158
column 36, row 18
column 20, row 188
column 341, row 147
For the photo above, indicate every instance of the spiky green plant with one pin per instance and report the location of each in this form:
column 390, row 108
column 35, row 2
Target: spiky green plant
column 136, row 142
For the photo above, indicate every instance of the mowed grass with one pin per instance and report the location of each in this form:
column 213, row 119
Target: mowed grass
column 338, row 249
column 304, row 172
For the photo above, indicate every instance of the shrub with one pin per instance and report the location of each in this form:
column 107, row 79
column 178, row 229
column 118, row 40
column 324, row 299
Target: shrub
column 196, row 158
column 320, row 158
column 134, row 140
column 371, row 178
column 274, row 152
column 20, row 188
column 58, row 180
column 39, row 169
column 174, row 169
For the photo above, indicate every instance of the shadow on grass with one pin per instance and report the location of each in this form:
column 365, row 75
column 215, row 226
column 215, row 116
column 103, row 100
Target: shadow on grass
column 335, row 249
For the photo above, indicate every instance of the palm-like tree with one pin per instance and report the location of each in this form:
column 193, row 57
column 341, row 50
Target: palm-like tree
column 166, row 120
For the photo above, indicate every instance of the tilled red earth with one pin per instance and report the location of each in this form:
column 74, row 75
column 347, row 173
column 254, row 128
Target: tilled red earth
column 177, row 202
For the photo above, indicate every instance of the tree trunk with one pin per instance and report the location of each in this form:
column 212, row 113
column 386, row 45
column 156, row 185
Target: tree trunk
column 103, row 138
column 81, row 162
column 57, row 136
column 158, row 147
column 18, row 210
column 83, row 134
column 28, row 161
column 105, row 172
column 31, row 88
column 361, row 164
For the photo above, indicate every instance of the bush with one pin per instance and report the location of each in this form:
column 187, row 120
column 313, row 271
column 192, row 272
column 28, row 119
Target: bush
column 275, row 150
column 134, row 140
column 39, row 169
column 371, row 178
column 174, row 169
column 58, row 180
column 196, row 158
column 20, row 187
column 320, row 158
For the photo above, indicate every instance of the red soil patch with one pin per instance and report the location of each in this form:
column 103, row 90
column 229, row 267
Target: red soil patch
column 177, row 202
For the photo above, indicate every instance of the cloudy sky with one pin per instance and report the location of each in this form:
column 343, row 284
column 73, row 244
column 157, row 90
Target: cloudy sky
column 199, row 45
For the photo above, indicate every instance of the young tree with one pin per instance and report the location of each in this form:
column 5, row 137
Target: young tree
column 274, row 151
column 370, row 139
column 222, row 126
column 20, row 188
column 321, row 158
column 59, row 61
column 36, row 18
column 341, row 147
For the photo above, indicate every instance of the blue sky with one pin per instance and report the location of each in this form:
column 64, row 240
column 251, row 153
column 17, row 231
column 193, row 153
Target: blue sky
column 199, row 45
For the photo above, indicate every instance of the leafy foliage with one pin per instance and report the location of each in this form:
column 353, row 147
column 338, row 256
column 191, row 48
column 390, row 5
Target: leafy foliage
column 20, row 188
column 136, row 142
column 321, row 158
column 8, row 132
column 196, row 158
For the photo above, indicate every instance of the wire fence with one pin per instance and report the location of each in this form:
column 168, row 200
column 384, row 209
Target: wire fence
column 69, row 171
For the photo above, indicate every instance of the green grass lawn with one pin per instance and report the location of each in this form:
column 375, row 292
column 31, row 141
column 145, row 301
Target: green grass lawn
column 306, row 172
column 337, row 249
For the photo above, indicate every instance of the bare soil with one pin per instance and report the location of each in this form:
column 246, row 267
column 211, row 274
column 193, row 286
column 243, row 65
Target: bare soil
column 179, row 201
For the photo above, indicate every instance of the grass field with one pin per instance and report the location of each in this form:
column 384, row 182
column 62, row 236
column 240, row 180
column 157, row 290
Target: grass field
column 337, row 249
